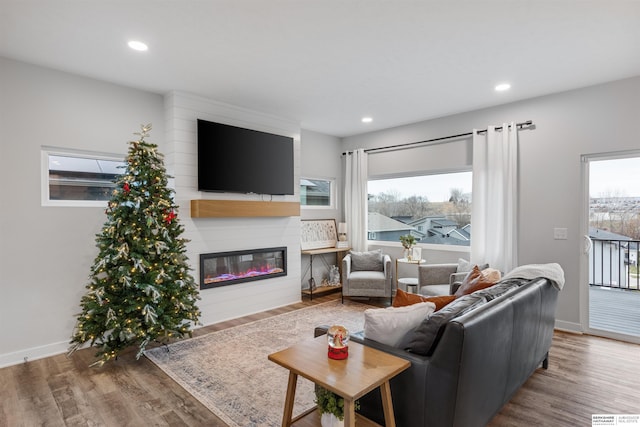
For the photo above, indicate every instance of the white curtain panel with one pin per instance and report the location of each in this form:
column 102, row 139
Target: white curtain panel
column 355, row 199
column 494, row 214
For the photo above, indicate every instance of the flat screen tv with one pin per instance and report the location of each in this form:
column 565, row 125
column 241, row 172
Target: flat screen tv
column 237, row 160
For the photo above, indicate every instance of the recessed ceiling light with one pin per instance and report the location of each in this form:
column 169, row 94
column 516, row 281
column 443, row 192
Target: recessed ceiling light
column 367, row 120
column 502, row 87
column 137, row 45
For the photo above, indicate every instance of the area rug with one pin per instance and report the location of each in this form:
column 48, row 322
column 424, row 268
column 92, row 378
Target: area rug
column 228, row 371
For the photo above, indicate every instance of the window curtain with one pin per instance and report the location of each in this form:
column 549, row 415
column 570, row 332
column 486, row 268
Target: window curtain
column 355, row 199
column 494, row 198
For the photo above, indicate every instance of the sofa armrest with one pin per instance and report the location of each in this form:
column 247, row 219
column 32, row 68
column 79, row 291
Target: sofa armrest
column 320, row 330
column 386, row 263
column 346, row 272
column 455, row 280
column 346, row 265
column 453, row 288
column 408, row 388
column 457, row 277
column 360, row 339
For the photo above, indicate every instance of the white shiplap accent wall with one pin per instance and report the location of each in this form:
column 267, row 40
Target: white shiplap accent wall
column 229, row 234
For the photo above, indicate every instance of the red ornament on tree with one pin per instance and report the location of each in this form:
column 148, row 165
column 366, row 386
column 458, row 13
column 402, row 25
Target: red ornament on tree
column 169, row 217
column 126, row 187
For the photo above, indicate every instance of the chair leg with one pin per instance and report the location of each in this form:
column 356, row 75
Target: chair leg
column 545, row 362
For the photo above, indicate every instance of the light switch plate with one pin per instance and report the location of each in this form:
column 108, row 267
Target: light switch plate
column 560, row 233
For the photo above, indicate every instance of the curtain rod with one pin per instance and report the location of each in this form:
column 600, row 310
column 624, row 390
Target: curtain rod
column 442, row 138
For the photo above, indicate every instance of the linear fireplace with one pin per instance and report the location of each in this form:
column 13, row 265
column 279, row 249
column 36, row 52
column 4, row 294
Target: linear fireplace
column 227, row 268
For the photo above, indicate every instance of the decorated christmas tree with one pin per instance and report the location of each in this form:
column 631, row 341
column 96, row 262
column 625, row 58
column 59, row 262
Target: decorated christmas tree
column 140, row 289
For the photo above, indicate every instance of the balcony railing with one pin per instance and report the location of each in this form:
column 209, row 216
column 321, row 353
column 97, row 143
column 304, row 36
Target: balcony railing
column 614, row 264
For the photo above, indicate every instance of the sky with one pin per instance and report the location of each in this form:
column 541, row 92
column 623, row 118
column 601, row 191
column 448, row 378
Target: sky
column 618, row 177
column 435, row 187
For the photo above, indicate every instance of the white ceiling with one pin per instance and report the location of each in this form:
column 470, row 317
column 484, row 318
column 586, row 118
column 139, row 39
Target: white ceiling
column 327, row 63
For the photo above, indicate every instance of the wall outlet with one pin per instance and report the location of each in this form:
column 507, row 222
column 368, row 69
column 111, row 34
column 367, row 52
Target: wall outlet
column 560, row 234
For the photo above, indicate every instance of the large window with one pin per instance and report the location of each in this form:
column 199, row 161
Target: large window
column 317, row 193
column 435, row 208
column 78, row 179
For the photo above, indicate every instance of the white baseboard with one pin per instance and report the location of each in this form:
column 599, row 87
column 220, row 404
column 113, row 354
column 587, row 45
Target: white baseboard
column 29, row 354
column 562, row 325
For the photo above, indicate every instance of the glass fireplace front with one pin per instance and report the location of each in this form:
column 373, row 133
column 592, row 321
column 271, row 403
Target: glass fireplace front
column 227, row 268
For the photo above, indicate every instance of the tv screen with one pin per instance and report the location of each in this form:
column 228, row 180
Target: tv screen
column 238, row 160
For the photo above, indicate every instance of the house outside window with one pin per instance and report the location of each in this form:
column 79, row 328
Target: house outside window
column 435, row 208
column 73, row 178
column 317, row 193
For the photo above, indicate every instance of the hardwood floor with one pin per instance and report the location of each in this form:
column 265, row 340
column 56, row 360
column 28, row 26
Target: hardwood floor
column 587, row 375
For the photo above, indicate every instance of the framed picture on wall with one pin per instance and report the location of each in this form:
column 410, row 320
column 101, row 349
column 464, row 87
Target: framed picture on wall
column 318, row 234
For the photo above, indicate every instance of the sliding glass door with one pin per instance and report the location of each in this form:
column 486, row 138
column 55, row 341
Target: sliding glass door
column 610, row 279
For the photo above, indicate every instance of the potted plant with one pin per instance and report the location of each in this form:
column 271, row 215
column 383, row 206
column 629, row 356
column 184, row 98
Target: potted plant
column 331, row 407
column 408, row 240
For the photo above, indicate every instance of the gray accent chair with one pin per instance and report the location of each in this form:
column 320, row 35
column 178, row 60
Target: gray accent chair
column 363, row 278
column 439, row 279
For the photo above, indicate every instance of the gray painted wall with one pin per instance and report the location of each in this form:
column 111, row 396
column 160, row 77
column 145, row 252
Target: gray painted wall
column 46, row 252
column 321, row 158
column 595, row 119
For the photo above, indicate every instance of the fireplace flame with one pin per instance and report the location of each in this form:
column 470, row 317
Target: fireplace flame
column 253, row 272
column 226, row 268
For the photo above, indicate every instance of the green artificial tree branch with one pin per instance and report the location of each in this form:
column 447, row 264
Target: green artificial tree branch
column 140, row 287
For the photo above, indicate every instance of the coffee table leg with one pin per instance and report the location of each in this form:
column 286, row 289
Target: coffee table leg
column 387, row 405
column 289, row 400
column 349, row 413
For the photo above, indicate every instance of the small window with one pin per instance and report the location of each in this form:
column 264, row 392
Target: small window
column 317, row 193
column 78, row 179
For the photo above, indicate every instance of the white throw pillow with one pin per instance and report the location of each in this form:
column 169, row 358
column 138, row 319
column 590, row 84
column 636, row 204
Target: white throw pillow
column 389, row 325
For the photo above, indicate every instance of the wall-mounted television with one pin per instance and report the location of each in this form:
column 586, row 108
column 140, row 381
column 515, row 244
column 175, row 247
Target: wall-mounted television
column 238, row 160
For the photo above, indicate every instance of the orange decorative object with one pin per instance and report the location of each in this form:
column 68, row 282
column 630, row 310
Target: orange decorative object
column 338, row 339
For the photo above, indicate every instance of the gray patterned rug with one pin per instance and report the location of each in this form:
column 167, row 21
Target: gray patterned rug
column 228, row 371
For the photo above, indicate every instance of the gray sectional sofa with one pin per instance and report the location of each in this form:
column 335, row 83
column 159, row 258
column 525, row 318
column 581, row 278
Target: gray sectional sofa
column 468, row 359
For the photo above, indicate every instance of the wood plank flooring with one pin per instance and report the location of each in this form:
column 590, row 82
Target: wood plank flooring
column 586, row 375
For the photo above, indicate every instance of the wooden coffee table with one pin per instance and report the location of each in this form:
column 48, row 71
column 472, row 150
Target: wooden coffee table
column 365, row 369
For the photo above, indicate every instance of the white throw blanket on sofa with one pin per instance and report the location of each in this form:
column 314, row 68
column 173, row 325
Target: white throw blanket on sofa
column 551, row 271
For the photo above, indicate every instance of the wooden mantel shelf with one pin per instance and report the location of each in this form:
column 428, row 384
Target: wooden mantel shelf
column 202, row 208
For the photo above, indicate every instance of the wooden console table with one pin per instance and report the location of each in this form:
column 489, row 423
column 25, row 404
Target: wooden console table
column 365, row 369
column 312, row 252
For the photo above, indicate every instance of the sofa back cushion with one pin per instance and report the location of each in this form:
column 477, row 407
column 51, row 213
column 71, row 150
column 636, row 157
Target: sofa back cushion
column 367, row 261
column 499, row 289
column 424, row 338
